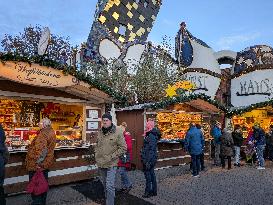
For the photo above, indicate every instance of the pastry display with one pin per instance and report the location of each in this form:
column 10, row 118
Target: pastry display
column 174, row 125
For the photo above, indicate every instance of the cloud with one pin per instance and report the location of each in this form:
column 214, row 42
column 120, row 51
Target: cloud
column 227, row 42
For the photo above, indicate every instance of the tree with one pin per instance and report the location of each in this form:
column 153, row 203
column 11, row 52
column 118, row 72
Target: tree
column 144, row 82
column 114, row 74
column 154, row 73
column 26, row 44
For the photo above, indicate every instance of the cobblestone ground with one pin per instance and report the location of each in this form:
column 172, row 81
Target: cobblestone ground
column 243, row 185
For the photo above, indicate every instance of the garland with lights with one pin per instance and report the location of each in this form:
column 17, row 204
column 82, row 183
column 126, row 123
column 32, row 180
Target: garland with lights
column 183, row 98
column 44, row 61
column 239, row 111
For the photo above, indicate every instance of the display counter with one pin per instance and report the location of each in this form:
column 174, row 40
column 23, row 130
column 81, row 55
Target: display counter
column 70, row 165
column 172, row 153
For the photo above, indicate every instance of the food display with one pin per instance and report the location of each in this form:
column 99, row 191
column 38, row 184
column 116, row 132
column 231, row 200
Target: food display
column 68, row 137
column 8, row 110
column 20, row 120
column 174, row 125
column 262, row 116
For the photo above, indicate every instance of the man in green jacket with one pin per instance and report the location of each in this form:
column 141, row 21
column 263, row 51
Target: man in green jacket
column 110, row 146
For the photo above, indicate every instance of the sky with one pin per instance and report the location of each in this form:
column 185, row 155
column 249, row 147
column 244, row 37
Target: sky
column 222, row 24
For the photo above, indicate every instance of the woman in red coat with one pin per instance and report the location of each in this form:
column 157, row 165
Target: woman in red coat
column 124, row 163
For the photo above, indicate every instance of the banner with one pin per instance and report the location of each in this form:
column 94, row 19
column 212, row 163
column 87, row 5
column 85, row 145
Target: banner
column 251, row 88
column 35, row 75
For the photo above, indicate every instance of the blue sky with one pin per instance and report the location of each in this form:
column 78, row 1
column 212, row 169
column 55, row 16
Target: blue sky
column 222, row 24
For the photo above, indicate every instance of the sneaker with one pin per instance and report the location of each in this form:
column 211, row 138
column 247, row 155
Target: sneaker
column 196, row 175
column 261, row 168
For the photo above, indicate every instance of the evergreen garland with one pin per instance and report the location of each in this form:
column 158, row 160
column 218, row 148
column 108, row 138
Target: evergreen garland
column 44, row 61
column 186, row 98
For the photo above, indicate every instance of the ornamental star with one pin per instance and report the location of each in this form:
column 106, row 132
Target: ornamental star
column 171, row 91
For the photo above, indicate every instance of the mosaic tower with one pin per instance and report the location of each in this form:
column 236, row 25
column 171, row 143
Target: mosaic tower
column 123, row 22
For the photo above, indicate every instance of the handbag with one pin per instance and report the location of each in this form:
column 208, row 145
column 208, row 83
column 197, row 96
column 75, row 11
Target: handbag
column 38, row 184
column 125, row 158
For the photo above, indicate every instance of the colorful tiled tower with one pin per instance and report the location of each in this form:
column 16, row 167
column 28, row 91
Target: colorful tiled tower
column 119, row 24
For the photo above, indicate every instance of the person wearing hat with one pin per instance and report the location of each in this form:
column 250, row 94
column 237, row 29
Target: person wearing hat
column 216, row 133
column 110, row 147
column 259, row 139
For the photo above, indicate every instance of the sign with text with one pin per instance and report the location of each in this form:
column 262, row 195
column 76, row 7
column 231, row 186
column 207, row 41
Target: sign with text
column 203, row 82
column 36, row 75
column 251, row 88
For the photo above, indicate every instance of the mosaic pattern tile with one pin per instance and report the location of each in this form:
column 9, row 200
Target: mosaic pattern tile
column 125, row 22
column 253, row 56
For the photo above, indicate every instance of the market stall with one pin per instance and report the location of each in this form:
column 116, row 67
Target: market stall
column 263, row 116
column 251, row 88
column 173, row 119
column 30, row 92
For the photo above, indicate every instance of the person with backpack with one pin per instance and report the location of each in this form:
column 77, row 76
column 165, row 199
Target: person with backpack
column 3, row 161
column 110, row 147
column 216, row 133
column 124, row 163
column 238, row 139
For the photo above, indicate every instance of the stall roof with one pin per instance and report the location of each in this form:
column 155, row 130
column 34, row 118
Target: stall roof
column 204, row 106
column 200, row 101
column 85, row 87
column 134, row 107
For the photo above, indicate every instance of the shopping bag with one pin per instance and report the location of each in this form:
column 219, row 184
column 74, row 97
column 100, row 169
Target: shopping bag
column 38, row 184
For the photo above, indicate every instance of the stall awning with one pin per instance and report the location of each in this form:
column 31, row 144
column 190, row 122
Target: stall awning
column 204, row 106
column 46, row 78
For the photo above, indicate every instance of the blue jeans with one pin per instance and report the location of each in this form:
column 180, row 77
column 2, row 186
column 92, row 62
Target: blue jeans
column 125, row 180
column 151, row 184
column 39, row 199
column 195, row 160
column 237, row 154
column 260, row 154
column 108, row 178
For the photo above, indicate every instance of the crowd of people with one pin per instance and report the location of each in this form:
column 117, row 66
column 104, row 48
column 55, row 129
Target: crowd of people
column 228, row 144
column 113, row 154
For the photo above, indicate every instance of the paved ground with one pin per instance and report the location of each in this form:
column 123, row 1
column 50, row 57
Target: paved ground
column 244, row 185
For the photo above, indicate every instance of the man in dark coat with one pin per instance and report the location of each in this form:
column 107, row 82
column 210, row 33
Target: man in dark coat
column 238, row 139
column 3, row 161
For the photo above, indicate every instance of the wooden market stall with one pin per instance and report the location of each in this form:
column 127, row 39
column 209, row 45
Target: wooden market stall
column 29, row 92
column 173, row 121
